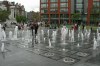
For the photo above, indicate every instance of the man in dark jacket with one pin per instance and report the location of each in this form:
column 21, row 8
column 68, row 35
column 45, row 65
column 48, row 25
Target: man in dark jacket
column 32, row 27
column 36, row 28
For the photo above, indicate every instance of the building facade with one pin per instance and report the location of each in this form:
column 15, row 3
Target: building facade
column 61, row 11
column 2, row 6
column 14, row 8
column 54, row 11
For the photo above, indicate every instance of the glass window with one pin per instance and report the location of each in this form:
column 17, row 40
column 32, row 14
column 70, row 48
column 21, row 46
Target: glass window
column 95, row 0
column 63, row 4
column 63, row 0
column 79, row 5
column 53, row 10
column 44, row 5
column 79, row 10
column 54, row 16
column 53, row 5
column 96, row 4
column 45, row 16
column 63, row 15
column 79, row 1
column 44, row 11
column 63, row 10
column 53, row 0
column 44, row 1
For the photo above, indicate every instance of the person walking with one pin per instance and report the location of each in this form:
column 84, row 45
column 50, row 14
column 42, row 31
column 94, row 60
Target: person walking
column 32, row 27
column 83, row 26
column 4, row 27
column 36, row 28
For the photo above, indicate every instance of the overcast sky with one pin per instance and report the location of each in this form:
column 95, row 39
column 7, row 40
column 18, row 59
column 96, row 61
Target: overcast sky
column 28, row 4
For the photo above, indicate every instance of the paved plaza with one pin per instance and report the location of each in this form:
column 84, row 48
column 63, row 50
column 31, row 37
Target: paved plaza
column 39, row 52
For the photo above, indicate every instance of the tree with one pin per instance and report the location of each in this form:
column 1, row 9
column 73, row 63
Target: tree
column 4, row 15
column 33, row 16
column 21, row 19
column 36, row 16
column 18, row 19
column 75, row 16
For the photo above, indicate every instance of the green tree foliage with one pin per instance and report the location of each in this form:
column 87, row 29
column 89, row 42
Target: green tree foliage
column 18, row 19
column 75, row 16
column 21, row 19
column 33, row 16
column 4, row 15
column 36, row 16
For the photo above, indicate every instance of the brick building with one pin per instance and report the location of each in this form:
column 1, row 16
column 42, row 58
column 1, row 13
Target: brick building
column 60, row 11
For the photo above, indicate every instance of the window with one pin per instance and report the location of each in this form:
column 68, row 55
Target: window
column 45, row 16
column 54, row 5
column 63, row 15
column 54, row 16
column 63, row 10
column 53, row 10
column 54, row 0
column 63, row 4
column 79, row 1
column 44, row 1
column 63, row 0
column 79, row 10
column 44, row 5
column 79, row 5
column 96, row 4
column 44, row 11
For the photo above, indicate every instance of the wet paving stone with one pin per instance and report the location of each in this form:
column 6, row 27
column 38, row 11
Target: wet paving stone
column 52, row 56
column 65, row 52
column 37, row 51
column 80, row 55
column 69, row 60
column 94, row 60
